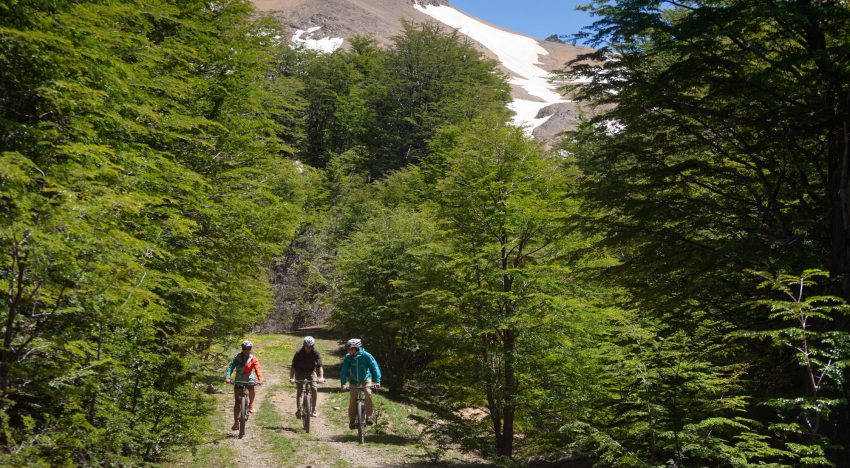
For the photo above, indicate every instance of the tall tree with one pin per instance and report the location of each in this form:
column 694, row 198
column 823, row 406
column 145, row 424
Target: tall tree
column 504, row 205
column 385, row 267
column 724, row 147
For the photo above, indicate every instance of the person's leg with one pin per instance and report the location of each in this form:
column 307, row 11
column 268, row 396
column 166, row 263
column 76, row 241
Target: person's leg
column 352, row 406
column 368, row 401
column 235, row 408
column 314, row 392
column 299, row 391
column 251, row 399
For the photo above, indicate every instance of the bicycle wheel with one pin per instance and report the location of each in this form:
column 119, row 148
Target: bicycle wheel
column 306, row 410
column 243, row 414
column 361, row 421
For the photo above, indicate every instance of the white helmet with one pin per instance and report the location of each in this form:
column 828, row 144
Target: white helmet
column 247, row 344
column 354, row 343
column 309, row 341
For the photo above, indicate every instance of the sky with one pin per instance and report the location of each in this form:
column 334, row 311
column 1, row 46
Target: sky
column 536, row 18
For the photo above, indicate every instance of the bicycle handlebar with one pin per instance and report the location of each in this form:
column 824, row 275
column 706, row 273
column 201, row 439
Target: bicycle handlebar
column 246, row 384
column 372, row 386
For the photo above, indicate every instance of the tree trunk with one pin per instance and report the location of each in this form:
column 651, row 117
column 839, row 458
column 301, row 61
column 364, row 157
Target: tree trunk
column 13, row 302
column 839, row 196
column 507, row 445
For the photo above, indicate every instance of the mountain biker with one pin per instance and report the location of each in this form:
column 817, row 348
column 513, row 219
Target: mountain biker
column 247, row 368
column 305, row 363
column 358, row 369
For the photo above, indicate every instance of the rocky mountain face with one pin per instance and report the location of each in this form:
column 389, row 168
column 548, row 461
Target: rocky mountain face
column 326, row 24
column 300, row 284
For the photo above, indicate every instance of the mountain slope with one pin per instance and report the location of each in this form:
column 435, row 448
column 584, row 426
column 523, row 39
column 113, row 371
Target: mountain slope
column 325, row 24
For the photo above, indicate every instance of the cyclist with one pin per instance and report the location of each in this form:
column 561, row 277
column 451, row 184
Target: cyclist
column 247, row 368
column 359, row 368
column 306, row 362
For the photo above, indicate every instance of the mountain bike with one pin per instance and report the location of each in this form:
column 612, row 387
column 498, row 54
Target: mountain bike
column 305, row 406
column 361, row 411
column 244, row 404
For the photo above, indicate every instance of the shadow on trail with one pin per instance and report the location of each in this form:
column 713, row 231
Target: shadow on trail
column 387, row 439
column 280, row 428
column 446, row 464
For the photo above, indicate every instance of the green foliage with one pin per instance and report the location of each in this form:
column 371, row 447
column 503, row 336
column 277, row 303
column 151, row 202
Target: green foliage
column 822, row 354
column 384, row 267
column 664, row 399
column 717, row 147
column 143, row 186
column 504, row 205
column 442, row 263
column 712, row 169
column 390, row 102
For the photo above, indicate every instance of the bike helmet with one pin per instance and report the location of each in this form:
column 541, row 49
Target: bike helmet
column 309, row 341
column 247, row 344
column 354, row 343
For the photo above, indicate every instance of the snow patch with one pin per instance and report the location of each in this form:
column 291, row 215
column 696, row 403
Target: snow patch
column 519, row 54
column 526, row 113
column 325, row 44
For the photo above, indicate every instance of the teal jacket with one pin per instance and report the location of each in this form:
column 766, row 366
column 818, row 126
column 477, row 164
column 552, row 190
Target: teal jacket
column 359, row 368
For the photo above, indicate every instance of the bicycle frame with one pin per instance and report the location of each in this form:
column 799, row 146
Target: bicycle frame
column 361, row 411
column 305, row 406
column 243, row 403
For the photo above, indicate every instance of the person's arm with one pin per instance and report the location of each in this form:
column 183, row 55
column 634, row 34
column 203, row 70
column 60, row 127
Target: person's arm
column 376, row 371
column 321, row 369
column 229, row 370
column 292, row 369
column 343, row 372
column 257, row 368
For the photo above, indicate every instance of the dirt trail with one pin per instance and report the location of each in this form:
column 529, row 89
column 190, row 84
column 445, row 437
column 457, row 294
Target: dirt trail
column 252, row 450
column 339, row 446
column 275, row 437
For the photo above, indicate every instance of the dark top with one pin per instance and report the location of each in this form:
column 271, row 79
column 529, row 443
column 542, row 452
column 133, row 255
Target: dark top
column 307, row 361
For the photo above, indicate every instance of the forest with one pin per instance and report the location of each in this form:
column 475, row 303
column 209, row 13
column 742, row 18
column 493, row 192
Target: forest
column 667, row 286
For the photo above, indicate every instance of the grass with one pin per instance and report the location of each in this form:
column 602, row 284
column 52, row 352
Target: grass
column 269, row 419
column 394, row 429
column 329, row 456
column 272, row 349
column 218, row 456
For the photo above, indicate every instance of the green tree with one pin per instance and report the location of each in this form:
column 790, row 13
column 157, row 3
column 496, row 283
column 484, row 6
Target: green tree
column 143, row 186
column 822, row 355
column 431, row 79
column 384, row 268
column 719, row 147
column 504, row 206
column 390, row 102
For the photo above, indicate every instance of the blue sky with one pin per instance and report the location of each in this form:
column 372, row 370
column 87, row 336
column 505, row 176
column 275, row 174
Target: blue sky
column 536, row 18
